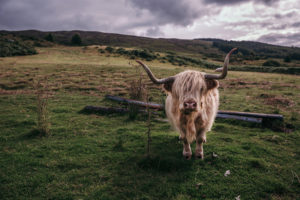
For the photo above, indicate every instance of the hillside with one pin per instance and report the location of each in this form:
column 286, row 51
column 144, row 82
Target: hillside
column 195, row 46
column 251, row 56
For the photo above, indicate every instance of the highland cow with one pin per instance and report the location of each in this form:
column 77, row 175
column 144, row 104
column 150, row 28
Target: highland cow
column 192, row 104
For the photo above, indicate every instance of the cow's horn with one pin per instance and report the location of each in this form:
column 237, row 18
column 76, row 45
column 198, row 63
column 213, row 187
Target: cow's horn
column 224, row 71
column 152, row 77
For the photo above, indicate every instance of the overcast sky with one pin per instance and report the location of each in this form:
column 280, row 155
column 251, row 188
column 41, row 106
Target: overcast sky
column 271, row 21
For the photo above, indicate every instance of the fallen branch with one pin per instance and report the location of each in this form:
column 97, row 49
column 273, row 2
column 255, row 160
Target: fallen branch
column 248, row 114
column 272, row 123
column 245, row 116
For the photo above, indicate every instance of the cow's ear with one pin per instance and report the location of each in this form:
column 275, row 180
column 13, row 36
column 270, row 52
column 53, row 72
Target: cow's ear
column 211, row 84
column 168, row 86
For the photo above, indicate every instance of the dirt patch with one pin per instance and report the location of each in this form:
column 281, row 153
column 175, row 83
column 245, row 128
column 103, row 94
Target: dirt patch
column 240, row 83
column 279, row 101
column 271, row 99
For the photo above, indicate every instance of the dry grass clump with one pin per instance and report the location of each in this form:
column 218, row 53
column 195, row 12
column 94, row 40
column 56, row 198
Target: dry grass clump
column 42, row 96
column 136, row 91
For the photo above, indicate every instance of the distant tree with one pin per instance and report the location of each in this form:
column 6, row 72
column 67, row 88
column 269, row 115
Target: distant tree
column 49, row 37
column 287, row 59
column 76, row 39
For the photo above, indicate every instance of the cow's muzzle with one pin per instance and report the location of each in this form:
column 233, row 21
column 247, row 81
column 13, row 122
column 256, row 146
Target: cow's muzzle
column 189, row 106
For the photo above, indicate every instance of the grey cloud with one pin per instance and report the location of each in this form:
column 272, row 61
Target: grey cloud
column 154, row 31
column 36, row 14
column 248, row 24
column 281, row 39
column 287, row 15
column 296, row 25
column 147, row 17
column 231, row 2
column 177, row 12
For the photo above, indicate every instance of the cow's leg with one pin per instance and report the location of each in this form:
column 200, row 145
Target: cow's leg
column 187, row 151
column 201, row 138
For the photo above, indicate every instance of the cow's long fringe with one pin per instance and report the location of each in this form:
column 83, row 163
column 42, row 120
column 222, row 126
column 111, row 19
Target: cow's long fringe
column 189, row 82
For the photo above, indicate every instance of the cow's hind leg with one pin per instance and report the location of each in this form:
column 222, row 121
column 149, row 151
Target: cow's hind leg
column 201, row 138
column 187, row 151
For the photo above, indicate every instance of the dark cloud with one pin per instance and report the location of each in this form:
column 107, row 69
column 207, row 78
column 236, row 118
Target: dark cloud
column 178, row 12
column 296, row 24
column 287, row 15
column 154, row 31
column 281, row 39
column 231, row 2
column 36, row 14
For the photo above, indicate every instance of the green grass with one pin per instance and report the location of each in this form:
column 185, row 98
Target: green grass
column 104, row 156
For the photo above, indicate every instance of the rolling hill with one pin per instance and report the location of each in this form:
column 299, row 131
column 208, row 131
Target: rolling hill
column 251, row 56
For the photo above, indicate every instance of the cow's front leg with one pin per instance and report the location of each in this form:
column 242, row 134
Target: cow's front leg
column 201, row 138
column 187, row 151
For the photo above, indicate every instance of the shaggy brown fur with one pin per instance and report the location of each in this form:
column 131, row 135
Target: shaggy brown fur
column 192, row 85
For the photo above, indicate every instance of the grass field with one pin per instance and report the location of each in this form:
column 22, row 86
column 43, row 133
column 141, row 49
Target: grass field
column 89, row 156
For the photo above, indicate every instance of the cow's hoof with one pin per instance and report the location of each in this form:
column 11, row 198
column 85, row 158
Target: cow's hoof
column 199, row 156
column 187, row 155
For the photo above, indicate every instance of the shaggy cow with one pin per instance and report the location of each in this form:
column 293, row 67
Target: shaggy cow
column 192, row 104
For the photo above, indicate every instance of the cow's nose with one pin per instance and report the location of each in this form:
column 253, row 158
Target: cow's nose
column 190, row 105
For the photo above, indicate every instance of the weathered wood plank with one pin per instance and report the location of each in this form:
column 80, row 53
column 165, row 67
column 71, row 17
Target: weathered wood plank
column 249, row 114
column 243, row 118
column 246, row 116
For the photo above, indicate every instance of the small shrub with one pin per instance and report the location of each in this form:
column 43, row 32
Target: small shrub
column 109, row 49
column 101, row 51
column 121, row 51
column 136, row 92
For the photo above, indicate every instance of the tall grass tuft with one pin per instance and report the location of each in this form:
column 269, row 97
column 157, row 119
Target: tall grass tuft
column 136, row 92
column 42, row 96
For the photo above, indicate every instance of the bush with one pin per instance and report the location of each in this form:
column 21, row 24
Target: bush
column 101, row 51
column 272, row 63
column 136, row 92
column 15, row 47
column 121, row 51
column 109, row 49
column 76, row 39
